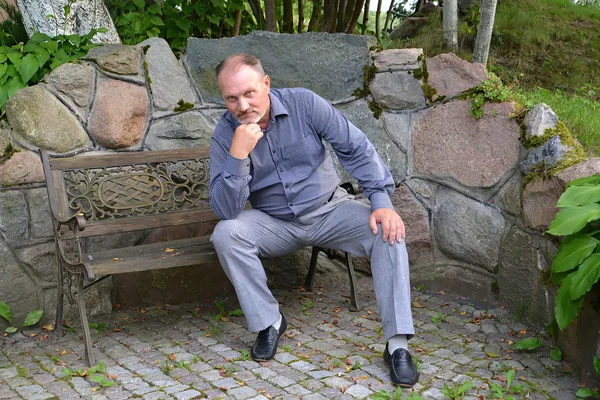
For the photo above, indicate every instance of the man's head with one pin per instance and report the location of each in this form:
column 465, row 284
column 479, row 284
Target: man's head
column 245, row 88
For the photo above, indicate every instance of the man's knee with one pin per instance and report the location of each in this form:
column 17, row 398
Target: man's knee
column 227, row 233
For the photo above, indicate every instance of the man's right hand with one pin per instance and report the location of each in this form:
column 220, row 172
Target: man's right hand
column 244, row 140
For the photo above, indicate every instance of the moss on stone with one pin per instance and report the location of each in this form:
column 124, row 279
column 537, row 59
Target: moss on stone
column 182, row 105
column 368, row 76
column 9, row 151
column 417, row 73
column 22, row 371
column 546, row 279
column 495, row 288
column 148, row 79
column 574, row 156
column 376, row 108
column 145, row 48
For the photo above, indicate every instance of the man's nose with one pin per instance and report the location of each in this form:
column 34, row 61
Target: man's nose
column 243, row 105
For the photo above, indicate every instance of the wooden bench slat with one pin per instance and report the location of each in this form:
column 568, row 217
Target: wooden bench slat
column 152, row 256
column 129, row 158
column 129, row 224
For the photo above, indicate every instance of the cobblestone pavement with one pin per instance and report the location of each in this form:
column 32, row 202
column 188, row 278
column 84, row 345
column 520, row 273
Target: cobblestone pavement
column 181, row 352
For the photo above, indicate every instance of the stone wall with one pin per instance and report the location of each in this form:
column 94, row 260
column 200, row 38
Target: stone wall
column 471, row 229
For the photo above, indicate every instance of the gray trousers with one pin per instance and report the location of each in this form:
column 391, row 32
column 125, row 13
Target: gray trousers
column 341, row 224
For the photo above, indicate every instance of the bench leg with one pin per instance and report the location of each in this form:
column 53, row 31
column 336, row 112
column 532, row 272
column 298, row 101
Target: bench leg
column 89, row 355
column 60, row 298
column 309, row 282
column 353, row 286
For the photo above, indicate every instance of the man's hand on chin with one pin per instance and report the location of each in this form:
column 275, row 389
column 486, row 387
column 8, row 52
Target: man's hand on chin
column 391, row 223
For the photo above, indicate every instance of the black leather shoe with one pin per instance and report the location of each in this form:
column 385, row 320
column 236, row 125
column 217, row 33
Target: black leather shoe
column 265, row 347
column 402, row 369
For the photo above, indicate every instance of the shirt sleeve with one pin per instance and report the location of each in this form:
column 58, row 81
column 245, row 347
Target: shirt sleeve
column 355, row 152
column 229, row 176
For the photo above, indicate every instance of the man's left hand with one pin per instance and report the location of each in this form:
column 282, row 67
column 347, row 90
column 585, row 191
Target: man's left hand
column 391, row 223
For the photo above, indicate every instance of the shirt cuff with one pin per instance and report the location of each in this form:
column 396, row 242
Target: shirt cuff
column 380, row 200
column 236, row 166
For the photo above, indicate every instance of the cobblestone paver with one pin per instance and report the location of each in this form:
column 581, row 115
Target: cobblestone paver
column 328, row 352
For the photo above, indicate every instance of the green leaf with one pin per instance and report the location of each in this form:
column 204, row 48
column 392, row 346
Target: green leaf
column 139, row 3
column 39, row 37
column 42, row 56
column 28, row 67
column 590, row 180
column 51, row 46
column 107, row 383
column 214, row 19
column 529, row 344
column 3, row 95
column 33, row 318
column 573, row 251
column 579, row 195
column 510, row 376
column 566, row 309
column 3, row 68
column 597, row 364
column 98, row 378
column 585, row 277
column 183, row 24
column 584, row 392
column 75, row 39
column 5, row 312
column 156, row 20
column 556, row 354
column 14, row 84
column 572, row 219
column 10, row 329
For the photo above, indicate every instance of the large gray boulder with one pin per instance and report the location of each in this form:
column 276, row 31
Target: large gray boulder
column 330, row 65
column 416, row 222
column 74, row 84
column 16, row 287
column 361, row 116
column 468, row 230
column 449, row 142
column 40, row 119
column 398, row 90
column 21, row 168
column 14, row 216
column 168, row 80
column 189, row 129
column 397, row 59
column 116, row 58
column 548, row 154
column 540, row 118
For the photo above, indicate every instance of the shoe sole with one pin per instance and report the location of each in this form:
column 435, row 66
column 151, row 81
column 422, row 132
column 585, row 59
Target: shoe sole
column 269, row 359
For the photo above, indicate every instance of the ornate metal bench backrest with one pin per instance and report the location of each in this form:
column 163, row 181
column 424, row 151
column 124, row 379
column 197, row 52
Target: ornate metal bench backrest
column 130, row 190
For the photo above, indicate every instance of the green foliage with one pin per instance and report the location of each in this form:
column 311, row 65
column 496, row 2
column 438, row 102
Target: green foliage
column 24, row 65
column 216, row 326
column 306, row 307
column 395, row 395
column 499, row 392
column 100, row 327
column 246, row 355
column 578, row 257
column 556, row 354
column 597, row 365
column 492, row 90
column 456, row 391
column 177, row 20
column 587, row 392
column 31, row 319
column 529, row 344
column 97, row 374
column 182, row 105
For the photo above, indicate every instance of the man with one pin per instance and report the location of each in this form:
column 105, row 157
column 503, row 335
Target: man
column 268, row 149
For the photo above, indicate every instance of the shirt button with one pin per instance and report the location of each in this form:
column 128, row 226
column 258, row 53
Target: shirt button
column 291, row 204
column 273, row 150
column 287, row 186
column 280, row 169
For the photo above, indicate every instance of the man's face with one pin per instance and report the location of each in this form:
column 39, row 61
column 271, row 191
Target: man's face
column 246, row 94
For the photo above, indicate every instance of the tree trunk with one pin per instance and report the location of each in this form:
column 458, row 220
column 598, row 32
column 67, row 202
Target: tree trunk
column 387, row 16
column 366, row 14
column 270, row 15
column 288, row 16
column 82, row 17
column 329, row 16
column 339, row 26
column 315, row 16
column 357, row 9
column 484, row 31
column 238, row 23
column 450, row 23
column 258, row 14
column 300, row 16
column 377, row 14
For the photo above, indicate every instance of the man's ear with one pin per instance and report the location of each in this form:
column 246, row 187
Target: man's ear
column 268, row 81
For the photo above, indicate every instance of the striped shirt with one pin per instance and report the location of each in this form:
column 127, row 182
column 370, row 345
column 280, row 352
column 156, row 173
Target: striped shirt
column 290, row 172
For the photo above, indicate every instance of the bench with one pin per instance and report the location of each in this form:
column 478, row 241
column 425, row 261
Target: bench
column 96, row 195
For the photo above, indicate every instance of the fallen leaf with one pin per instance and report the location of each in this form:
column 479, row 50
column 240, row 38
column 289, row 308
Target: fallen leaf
column 500, row 378
column 463, row 313
column 416, row 304
column 117, row 330
column 116, row 259
column 172, row 357
column 441, row 292
column 112, row 376
column 48, row 327
column 523, row 331
column 169, row 250
column 370, row 312
column 492, row 355
column 32, row 334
